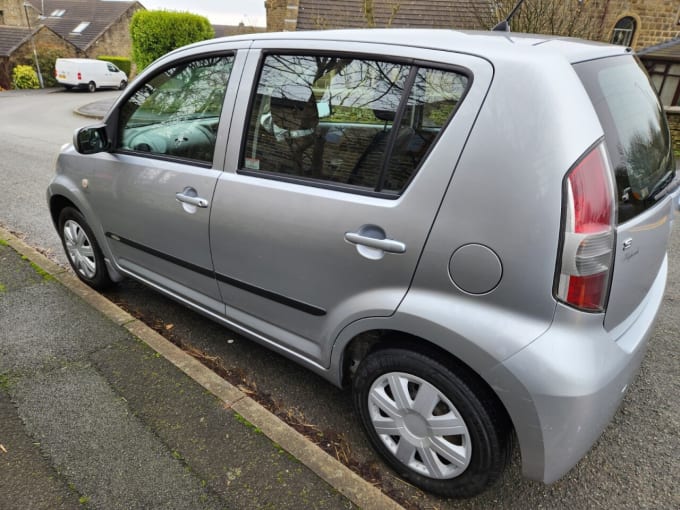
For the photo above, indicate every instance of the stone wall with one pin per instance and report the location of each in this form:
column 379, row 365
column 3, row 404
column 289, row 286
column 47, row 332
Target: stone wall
column 13, row 13
column 116, row 40
column 657, row 20
column 673, row 114
column 282, row 15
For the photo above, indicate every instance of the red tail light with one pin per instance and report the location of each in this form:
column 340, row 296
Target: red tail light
column 80, row 76
column 588, row 233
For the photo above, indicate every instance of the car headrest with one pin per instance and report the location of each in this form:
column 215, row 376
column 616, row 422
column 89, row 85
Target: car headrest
column 294, row 115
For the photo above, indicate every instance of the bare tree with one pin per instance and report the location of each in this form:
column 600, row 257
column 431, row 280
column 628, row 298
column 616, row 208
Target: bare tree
column 375, row 14
column 573, row 18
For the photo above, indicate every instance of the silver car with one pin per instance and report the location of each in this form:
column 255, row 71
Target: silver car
column 469, row 228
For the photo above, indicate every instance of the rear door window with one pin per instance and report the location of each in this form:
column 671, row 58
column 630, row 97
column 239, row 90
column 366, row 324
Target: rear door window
column 337, row 121
column 636, row 132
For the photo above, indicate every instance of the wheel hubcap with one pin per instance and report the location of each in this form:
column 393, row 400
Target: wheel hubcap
column 419, row 425
column 79, row 249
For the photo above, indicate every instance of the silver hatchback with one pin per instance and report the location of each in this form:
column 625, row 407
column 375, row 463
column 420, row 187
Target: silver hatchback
column 470, row 229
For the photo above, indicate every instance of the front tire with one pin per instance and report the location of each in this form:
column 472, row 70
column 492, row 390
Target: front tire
column 82, row 250
column 122, row 85
column 441, row 431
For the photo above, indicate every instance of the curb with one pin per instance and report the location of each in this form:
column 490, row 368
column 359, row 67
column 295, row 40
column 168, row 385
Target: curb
column 337, row 475
column 86, row 114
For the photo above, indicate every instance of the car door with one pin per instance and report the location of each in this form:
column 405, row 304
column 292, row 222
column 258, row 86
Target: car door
column 154, row 194
column 112, row 76
column 321, row 216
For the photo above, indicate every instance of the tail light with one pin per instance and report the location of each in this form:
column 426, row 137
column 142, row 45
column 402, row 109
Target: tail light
column 588, row 233
column 80, row 76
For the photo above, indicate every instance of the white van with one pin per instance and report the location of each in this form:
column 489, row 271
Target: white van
column 88, row 73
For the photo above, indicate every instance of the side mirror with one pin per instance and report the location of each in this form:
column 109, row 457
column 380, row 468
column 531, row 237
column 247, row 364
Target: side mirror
column 91, row 139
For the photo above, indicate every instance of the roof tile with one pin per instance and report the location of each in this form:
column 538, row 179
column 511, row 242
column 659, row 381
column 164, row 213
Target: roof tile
column 101, row 14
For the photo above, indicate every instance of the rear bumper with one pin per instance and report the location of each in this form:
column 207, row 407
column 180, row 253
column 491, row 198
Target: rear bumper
column 563, row 389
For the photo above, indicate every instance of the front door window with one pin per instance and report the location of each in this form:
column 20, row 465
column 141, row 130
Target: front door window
column 176, row 113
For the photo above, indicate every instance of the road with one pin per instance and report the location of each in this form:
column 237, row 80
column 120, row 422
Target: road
column 634, row 465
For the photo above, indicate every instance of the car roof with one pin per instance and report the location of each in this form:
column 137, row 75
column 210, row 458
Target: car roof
column 482, row 43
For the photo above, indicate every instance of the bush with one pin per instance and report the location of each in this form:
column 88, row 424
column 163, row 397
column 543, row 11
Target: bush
column 47, row 55
column 25, row 77
column 122, row 63
column 155, row 33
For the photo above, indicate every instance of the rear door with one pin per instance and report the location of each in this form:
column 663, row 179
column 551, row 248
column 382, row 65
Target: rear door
column 639, row 146
column 321, row 217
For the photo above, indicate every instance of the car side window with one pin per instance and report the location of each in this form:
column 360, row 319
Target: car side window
column 176, row 112
column 432, row 100
column 331, row 120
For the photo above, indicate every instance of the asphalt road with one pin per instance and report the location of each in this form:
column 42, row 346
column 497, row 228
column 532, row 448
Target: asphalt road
column 634, row 465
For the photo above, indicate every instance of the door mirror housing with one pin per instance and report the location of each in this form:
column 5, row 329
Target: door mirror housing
column 91, row 139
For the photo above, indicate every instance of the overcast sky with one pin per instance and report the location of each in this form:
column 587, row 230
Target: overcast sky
column 219, row 12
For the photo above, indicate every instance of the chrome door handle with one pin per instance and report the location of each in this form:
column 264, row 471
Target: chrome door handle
column 197, row 201
column 388, row 245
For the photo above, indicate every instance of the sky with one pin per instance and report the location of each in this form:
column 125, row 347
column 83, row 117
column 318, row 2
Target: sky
column 219, row 12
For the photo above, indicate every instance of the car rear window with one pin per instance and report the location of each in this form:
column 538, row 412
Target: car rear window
column 635, row 129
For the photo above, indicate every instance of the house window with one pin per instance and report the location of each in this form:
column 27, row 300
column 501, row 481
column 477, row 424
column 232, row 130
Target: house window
column 82, row 26
column 624, row 30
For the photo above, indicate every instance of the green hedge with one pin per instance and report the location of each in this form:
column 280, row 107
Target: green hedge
column 122, row 63
column 25, row 77
column 155, row 33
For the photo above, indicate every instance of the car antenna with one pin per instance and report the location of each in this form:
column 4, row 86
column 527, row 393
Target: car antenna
column 504, row 26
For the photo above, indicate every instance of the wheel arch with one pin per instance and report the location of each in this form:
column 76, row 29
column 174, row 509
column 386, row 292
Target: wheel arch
column 459, row 354
column 58, row 201
column 374, row 340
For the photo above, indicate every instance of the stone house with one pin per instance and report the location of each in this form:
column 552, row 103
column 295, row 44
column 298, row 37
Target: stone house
column 65, row 28
column 16, row 48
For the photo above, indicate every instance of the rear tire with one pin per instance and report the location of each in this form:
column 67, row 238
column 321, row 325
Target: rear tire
column 92, row 86
column 442, row 431
column 82, row 250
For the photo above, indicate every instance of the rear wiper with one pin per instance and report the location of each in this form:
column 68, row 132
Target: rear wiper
column 504, row 26
column 662, row 187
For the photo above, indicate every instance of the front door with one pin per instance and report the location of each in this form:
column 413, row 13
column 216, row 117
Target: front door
column 337, row 186
column 155, row 190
